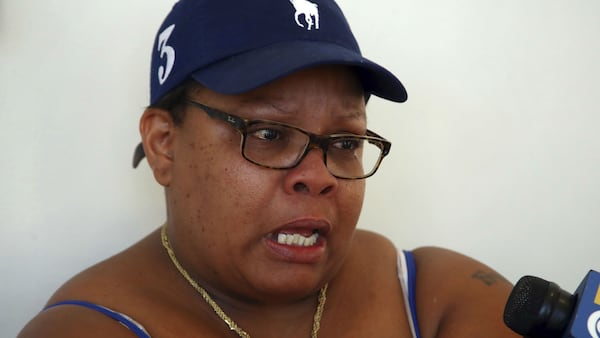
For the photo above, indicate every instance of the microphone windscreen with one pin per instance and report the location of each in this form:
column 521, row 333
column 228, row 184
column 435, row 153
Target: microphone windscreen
column 522, row 308
column 538, row 308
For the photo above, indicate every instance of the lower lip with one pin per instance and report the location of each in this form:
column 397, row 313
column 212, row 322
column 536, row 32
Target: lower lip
column 298, row 254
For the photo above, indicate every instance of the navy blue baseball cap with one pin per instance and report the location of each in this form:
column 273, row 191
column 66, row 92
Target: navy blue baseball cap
column 234, row 46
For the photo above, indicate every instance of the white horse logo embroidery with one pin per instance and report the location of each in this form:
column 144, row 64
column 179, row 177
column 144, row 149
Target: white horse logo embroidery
column 309, row 10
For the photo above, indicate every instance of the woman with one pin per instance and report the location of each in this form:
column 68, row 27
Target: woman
column 257, row 130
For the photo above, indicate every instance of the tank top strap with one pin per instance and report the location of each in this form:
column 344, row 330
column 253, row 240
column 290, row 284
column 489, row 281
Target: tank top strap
column 125, row 320
column 407, row 273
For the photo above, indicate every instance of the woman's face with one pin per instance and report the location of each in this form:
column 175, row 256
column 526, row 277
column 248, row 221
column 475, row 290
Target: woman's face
column 228, row 217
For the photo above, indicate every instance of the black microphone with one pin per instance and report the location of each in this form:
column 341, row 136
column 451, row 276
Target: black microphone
column 537, row 308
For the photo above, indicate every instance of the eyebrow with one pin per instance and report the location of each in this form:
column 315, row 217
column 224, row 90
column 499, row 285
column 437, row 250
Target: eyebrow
column 254, row 102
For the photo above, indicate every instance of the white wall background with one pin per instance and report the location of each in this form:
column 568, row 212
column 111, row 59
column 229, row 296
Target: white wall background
column 496, row 154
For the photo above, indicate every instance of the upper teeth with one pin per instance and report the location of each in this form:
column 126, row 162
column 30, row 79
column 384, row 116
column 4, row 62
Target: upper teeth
column 297, row 239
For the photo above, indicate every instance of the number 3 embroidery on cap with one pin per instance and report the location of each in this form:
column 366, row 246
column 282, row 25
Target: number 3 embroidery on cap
column 167, row 52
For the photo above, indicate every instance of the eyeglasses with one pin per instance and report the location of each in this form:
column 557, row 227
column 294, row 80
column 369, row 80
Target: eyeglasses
column 277, row 145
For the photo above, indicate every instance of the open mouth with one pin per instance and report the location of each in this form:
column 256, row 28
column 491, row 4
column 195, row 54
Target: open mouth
column 305, row 243
column 304, row 239
column 297, row 239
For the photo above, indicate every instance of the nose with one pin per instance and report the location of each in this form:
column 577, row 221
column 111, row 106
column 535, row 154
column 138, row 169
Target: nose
column 311, row 175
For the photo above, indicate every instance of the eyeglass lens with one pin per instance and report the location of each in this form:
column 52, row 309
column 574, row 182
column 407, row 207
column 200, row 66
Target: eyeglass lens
column 280, row 146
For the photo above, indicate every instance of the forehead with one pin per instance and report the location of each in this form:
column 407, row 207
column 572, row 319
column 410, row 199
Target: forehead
column 326, row 86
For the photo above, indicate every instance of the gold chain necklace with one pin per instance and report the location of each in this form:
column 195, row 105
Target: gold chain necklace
column 208, row 299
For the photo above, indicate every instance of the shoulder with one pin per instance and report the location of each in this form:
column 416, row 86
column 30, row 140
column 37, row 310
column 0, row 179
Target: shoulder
column 115, row 283
column 458, row 296
column 371, row 260
column 368, row 240
column 372, row 268
column 69, row 321
column 436, row 261
column 366, row 293
column 371, row 250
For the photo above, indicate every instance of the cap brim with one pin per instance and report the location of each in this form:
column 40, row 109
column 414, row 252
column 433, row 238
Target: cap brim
column 252, row 69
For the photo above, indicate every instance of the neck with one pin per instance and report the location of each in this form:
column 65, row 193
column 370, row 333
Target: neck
column 279, row 319
column 269, row 320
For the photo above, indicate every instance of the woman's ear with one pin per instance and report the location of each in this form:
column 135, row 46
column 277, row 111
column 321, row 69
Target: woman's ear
column 158, row 131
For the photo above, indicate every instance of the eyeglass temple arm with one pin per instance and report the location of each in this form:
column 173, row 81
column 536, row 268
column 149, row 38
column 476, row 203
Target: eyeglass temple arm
column 237, row 122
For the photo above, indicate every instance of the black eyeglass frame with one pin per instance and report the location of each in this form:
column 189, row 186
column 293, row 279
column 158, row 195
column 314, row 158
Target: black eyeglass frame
column 315, row 141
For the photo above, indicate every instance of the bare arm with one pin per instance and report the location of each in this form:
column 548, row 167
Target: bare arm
column 459, row 297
